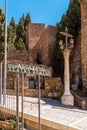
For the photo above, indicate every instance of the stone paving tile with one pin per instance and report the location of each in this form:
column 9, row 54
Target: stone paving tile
column 81, row 124
column 51, row 110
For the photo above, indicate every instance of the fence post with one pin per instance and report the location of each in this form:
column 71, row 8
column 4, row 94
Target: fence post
column 17, row 101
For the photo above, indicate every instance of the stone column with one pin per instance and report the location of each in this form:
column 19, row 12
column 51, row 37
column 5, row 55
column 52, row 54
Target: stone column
column 67, row 98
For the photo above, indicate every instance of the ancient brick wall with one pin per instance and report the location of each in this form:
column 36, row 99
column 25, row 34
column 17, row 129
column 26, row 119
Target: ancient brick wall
column 33, row 34
column 42, row 40
column 41, row 44
column 84, row 42
column 75, row 59
column 19, row 56
column 78, row 61
column 48, row 45
column 45, row 44
column 43, row 47
column 54, row 86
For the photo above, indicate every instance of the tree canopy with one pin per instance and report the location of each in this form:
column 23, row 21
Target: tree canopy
column 16, row 35
column 12, row 34
column 2, row 28
column 72, row 20
column 20, row 32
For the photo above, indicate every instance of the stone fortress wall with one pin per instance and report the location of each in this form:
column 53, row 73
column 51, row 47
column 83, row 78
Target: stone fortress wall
column 38, row 40
column 84, row 42
column 75, row 59
column 79, row 55
column 41, row 39
column 33, row 34
column 20, row 56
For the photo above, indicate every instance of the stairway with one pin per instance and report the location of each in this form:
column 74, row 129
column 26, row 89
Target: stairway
column 86, row 104
column 80, row 99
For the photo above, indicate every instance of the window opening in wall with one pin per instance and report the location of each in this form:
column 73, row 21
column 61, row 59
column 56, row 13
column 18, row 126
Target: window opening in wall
column 31, row 83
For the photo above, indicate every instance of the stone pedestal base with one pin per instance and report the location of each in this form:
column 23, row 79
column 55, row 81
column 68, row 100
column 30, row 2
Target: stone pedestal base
column 67, row 99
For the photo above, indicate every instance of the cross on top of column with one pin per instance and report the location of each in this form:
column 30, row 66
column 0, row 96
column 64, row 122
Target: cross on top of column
column 67, row 35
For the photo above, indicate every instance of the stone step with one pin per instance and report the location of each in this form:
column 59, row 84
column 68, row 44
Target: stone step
column 79, row 101
column 86, row 104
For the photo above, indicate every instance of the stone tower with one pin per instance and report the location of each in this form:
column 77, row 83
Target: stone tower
column 33, row 34
column 84, row 42
column 41, row 40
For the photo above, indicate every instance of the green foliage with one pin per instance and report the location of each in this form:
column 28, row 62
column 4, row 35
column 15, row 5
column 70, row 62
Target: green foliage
column 74, row 16
column 1, row 50
column 72, row 20
column 12, row 123
column 27, row 21
column 2, row 23
column 79, row 1
column 16, row 35
column 57, row 62
column 11, row 34
column 20, row 44
column 21, row 29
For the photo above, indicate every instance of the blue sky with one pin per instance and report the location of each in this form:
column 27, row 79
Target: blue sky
column 41, row 11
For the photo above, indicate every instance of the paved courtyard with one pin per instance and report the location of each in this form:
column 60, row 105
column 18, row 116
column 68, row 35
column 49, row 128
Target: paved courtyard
column 51, row 110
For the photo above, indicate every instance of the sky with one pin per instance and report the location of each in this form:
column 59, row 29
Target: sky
column 41, row 11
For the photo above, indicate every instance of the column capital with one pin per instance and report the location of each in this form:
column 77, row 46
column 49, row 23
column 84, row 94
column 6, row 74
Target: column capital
column 66, row 53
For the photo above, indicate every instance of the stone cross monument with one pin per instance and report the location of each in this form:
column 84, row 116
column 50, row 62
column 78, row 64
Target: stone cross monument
column 67, row 98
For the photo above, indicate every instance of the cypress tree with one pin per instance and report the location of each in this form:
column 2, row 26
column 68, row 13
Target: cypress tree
column 2, row 25
column 72, row 20
column 11, row 34
column 20, row 45
column 21, row 30
column 27, row 21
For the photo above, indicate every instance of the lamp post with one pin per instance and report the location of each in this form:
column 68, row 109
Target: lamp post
column 5, row 56
column 67, row 98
